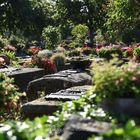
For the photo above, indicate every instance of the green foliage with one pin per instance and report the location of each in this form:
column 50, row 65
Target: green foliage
column 109, row 52
column 3, row 42
column 27, row 130
column 128, row 132
column 9, row 97
column 59, row 60
column 9, row 54
column 104, row 53
column 17, row 42
column 88, row 51
column 122, row 18
column 112, row 81
column 26, row 17
column 74, row 52
column 51, row 36
column 136, row 52
column 88, row 12
column 80, row 31
column 75, row 44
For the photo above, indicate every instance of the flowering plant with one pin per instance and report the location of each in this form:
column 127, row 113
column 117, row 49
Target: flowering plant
column 9, row 97
column 111, row 81
column 45, row 63
column 34, row 50
column 48, row 65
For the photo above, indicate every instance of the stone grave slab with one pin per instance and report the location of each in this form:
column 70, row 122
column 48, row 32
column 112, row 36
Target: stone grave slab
column 81, row 63
column 81, row 129
column 49, row 104
column 23, row 76
column 72, row 93
column 56, row 82
column 40, row 107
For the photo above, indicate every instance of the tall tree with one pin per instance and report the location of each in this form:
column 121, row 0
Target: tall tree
column 28, row 16
column 123, row 20
column 89, row 12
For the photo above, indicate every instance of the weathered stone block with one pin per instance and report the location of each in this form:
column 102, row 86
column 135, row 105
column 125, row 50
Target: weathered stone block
column 52, row 102
column 81, row 129
column 55, row 82
column 23, row 76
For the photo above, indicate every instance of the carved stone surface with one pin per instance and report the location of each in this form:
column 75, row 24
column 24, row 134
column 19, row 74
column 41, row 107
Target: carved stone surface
column 56, row 82
column 50, row 103
column 81, row 129
column 23, row 76
column 40, row 107
column 72, row 93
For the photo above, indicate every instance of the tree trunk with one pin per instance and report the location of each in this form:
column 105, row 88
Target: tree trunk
column 91, row 37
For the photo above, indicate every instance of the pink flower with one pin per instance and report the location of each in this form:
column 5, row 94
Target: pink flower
column 2, row 61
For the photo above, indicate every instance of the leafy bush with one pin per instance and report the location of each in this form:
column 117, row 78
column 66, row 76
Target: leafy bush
column 88, row 51
column 27, row 130
column 59, row 60
column 9, row 54
column 74, row 52
column 51, row 36
column 136, row 52
column 74, row 44
column 80, row 31
column 128, row 51
column 111, row 81
column 109, row 52
column 9, row 97
column 3, row 42
column 17, row 42
column 104, row 53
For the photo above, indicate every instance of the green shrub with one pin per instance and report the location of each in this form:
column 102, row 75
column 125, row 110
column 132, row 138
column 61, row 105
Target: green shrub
column 51, row 36
column 17, row 42
column 104, row 53
column 80, row 31
column 111, row 81
column 109, row 52
column 9, row 54
column 136, row 52
column 74, row 45
column 3, row 42
column 9, row 97
column 88, row 51
column 59, row 60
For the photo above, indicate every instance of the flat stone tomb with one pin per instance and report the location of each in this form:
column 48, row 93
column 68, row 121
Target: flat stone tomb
column 22, row 76
column 51, row 103
column 82, row 129
column 55, row 82
column 72, row 93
